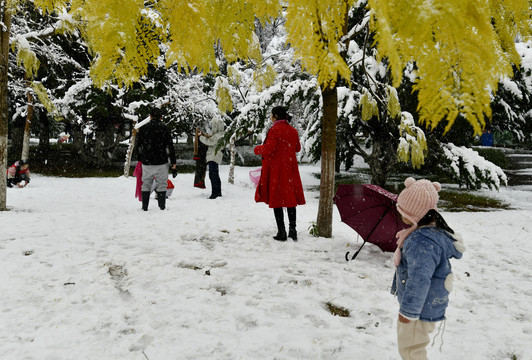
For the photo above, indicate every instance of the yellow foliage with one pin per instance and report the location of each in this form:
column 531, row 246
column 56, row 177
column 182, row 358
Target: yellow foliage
column 368, row 106
column 394, row 108
column 234, row 76
column 223, row 96
column 266, row 9
column 197, row 27
column 412, row 142
column 123, row 36
column 461, row 49
column 264, row 77
column 49, row 6
column 26, row 56
column 314, row 31
column 42, row 94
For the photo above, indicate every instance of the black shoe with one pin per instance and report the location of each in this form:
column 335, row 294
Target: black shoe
column 161, row 199
column 292, row 233
column 281, row 236
column 214, row 196
column 145, row 200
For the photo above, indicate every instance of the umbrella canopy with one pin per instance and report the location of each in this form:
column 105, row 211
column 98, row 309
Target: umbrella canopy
column 371, row 211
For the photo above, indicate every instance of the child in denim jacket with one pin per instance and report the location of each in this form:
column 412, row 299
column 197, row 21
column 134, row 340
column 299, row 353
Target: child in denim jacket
column 423, row 277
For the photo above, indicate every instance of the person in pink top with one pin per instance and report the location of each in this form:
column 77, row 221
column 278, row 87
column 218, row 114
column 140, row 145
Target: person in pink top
column 17, row 173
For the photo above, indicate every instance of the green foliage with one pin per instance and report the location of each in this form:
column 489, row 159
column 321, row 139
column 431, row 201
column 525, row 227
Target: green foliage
column 313, row 229
column 458, row 201
column 495, row 156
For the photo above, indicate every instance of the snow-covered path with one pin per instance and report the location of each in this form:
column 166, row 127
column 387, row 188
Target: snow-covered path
column 86, row 275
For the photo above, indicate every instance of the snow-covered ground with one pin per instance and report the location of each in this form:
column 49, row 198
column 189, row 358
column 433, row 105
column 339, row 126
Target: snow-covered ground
column 85, row 274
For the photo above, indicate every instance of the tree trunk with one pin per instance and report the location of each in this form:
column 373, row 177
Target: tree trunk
column 5, row 16
column 231, row 179
column 44, row 136
column 103, row 146
column 328, row 157
column 79, row 147
column 383, row 158
column 130, row 152
column 27, row 128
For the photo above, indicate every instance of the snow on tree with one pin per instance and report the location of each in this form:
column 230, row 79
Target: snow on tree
column 471, row 170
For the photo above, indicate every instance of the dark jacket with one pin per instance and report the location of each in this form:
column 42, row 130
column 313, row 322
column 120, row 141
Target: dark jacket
column 154, row 144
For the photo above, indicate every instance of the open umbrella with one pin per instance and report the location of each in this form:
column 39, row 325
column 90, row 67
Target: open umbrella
column 370, row 211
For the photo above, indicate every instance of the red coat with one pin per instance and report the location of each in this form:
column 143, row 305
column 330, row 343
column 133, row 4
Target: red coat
column 280, row 183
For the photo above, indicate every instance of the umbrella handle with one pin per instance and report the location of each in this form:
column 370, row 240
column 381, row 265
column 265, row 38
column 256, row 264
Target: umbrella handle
column 355, row 254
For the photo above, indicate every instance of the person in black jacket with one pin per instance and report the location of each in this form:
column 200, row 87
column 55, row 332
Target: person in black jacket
column 155, row 147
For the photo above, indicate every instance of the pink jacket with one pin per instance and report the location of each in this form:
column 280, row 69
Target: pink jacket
column 12, row 171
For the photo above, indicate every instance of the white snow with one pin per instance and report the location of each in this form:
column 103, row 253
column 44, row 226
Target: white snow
column 85, row 274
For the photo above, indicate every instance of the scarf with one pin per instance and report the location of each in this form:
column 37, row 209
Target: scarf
column 401, row 237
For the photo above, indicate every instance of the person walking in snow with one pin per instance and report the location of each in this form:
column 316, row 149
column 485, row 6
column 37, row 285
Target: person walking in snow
column 17, row 173
column 155, row 147
column 280, row 184
column 214, row 156
column 423, row 277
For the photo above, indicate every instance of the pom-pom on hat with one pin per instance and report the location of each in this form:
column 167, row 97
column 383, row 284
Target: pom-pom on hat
column 418, row 198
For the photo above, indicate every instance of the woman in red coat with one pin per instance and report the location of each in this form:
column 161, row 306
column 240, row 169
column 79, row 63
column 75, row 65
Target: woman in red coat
column 280, row 184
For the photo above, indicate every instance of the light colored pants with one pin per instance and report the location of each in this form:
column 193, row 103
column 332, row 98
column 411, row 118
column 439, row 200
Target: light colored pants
column 159, row 172
column 413, row 338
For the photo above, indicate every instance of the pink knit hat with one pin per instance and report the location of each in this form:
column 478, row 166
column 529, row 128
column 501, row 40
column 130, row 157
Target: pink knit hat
column 418, row 198
column 413, row 203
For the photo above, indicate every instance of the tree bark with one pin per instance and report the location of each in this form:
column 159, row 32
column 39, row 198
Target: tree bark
column 27, row 128
column 231, row 179
column 5, row 16
column 130, row 149
column 328, row 158
column 44, row 136
column 104, row 144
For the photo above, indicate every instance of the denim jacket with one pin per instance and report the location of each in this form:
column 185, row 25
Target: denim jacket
column 423, row 279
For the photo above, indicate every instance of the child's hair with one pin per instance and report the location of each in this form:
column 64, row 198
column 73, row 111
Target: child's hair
column 434, row 216
column 281, row 113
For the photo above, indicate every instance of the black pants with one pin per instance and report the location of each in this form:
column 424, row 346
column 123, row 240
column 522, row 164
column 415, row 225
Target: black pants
column 214, row 177
column 279, row 217
column 16, row 180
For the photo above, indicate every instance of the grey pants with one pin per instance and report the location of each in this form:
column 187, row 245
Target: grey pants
column 157, row 173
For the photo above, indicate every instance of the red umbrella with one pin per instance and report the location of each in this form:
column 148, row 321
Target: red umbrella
column 371, row 212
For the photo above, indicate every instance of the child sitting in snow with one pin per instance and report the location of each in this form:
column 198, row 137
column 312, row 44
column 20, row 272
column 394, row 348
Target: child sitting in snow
column 17, row 173
column 423, row 278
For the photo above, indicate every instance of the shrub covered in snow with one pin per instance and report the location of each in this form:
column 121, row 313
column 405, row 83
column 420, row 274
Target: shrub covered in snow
column 470, row 169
